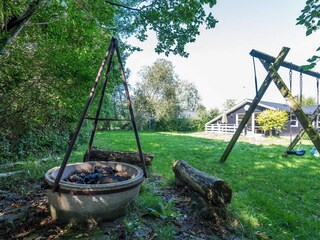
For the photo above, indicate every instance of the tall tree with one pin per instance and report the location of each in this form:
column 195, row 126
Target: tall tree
column 228, row 103
column 156, row 93
column 162, row 96
column 189, row 96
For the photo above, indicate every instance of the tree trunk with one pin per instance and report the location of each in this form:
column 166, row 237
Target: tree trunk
column 215, row 190
column 97, row 154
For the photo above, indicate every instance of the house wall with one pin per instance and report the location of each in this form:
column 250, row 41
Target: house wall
column 294, row 129
column 285, row 132
column 232, row 119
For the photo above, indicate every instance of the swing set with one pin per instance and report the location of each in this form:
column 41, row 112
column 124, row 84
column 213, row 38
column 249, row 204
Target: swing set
column 300, row 151
column 272, row 64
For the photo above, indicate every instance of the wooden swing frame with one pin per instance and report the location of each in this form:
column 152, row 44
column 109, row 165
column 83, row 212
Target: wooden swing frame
column 272, row 65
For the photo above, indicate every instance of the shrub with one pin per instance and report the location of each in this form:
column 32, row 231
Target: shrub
column 272, row 119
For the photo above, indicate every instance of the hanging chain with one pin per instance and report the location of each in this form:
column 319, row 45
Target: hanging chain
column 255, row 75
column 290, row 80
column 290, row 114
column 317, row 91
column 301, row 85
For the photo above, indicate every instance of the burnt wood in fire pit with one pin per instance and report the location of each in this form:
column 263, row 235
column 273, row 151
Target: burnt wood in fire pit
column 99, row 175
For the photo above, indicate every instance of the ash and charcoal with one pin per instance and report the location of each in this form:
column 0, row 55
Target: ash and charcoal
column 100, row 175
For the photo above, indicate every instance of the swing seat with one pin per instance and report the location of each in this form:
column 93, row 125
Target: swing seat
column 296, row 152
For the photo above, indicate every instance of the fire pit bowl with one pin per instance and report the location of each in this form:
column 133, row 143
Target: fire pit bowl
column 76, row 202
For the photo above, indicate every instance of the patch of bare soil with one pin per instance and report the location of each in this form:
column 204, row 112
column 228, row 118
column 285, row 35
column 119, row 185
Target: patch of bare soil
column 24, row 214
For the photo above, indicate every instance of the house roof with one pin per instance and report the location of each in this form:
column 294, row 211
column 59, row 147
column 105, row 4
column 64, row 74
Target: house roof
column 308, row 110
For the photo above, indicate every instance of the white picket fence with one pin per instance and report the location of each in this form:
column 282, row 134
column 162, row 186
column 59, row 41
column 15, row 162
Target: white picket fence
column 222, row 128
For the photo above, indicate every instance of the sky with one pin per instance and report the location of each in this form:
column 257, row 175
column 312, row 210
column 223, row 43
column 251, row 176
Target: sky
column 219, row 63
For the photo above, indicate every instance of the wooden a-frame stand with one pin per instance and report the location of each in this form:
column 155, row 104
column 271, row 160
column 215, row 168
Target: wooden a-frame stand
column 272, row 65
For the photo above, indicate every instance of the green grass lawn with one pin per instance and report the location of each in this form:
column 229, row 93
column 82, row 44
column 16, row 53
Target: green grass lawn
column 273, row 196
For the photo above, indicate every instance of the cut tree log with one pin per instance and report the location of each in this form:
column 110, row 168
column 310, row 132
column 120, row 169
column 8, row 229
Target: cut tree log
column 97, row 154
column 214, row 190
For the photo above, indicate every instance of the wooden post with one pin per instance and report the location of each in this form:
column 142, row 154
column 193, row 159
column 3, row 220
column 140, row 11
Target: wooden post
column 289, row 65
column 254, row 103
column 302, row 117
column 302, row 132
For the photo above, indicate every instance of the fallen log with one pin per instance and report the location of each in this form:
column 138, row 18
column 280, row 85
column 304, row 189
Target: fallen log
column 214, row 190
column 97, row 154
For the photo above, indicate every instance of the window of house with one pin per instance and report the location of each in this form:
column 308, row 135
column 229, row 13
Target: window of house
column 293, row 121
column 318, row 121
column 240, row 118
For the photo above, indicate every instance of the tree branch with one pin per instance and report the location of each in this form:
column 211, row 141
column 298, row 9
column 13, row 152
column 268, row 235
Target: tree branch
column 16, row 24
column 123, row 6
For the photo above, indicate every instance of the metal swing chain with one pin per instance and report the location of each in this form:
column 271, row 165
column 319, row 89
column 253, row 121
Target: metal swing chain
column 317, row 91
column 301, row 85
column 290, row 113
column 255, row 75
column 290, row 80
column 300, row 102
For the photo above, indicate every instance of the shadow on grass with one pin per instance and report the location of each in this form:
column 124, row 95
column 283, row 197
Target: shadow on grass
column 273, row 196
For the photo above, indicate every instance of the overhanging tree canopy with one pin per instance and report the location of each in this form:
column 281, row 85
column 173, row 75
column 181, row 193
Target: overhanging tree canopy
column 176, row 22
column 50, row 50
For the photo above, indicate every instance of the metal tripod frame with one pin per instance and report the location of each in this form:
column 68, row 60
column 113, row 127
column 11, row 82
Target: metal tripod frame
column 113, row 47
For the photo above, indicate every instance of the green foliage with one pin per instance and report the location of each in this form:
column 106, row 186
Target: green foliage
column 310, row 19
column 229, row 103
column 127, row 18
column 308, row 101
column 272, row 119
column 188, row 96
column 47, row 75
column 269, row 192
column 162, row 97
column 258, row 208
column 165, row 211
column 176, row 22
column 131, row 226
column 50, row 52
column 204, row 116
column 14, row 15
column 310, row 16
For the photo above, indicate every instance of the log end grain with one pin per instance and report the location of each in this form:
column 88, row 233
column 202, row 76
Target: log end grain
column 215, row 190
